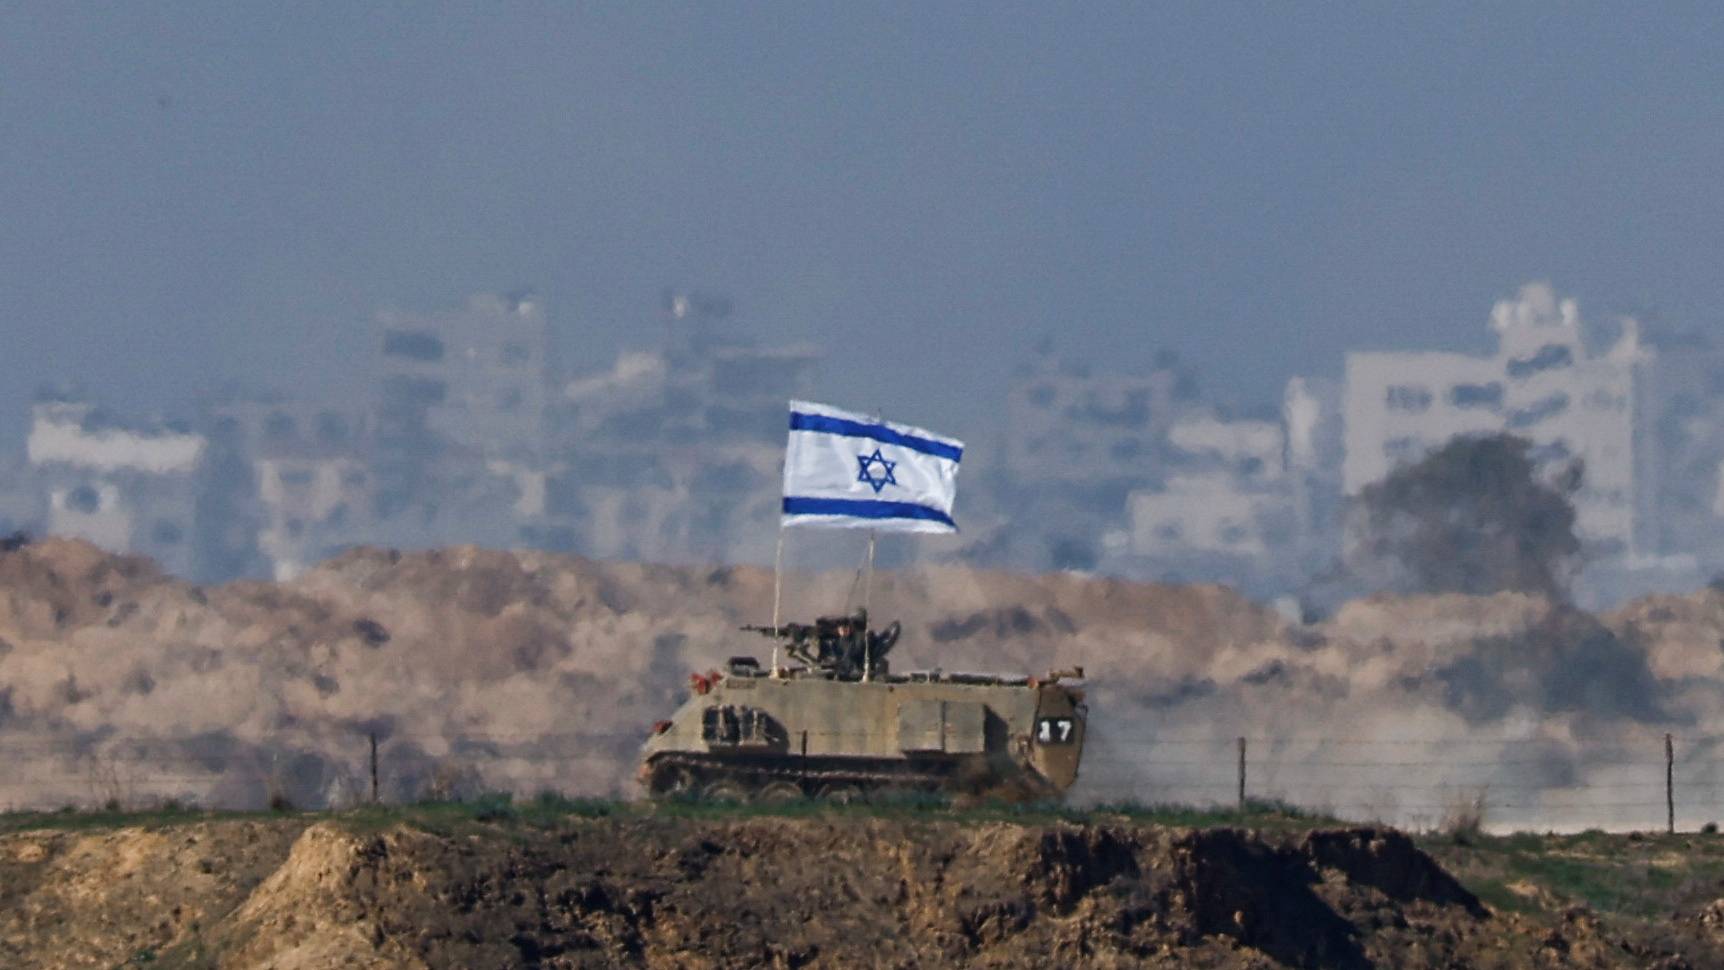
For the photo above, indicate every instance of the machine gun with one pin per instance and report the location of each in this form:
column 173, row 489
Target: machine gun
column 841, row 644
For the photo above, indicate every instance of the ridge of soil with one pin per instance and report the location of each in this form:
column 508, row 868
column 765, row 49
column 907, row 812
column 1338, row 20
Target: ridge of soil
column 741, row 890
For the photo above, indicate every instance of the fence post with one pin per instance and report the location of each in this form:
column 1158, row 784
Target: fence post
column 1670, row 784
column 1242, row 774
column 373, row 767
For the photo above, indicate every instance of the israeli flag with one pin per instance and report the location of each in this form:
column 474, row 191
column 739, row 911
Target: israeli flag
column 849, row 470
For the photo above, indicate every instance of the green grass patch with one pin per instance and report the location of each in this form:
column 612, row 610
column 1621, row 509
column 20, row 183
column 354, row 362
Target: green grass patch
column 1634, row 876
column 1605, row 886
column 916, row 807
column 1271, row 816
column 545, row 810
column 69, row 819
column 549, row 809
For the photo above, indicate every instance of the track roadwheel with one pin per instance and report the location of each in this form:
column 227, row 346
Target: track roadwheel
column 725, row 790
column 671, row 781
column 779, row 792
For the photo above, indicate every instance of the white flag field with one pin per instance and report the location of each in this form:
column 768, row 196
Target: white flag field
column 849, row 470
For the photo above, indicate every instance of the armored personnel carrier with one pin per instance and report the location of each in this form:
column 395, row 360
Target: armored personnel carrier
column 837, row 724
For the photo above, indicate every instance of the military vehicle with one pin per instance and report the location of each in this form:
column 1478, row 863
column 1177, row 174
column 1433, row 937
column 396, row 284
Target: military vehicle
column 838, row 724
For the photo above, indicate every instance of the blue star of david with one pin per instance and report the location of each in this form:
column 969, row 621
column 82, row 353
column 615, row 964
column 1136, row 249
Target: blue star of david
column 866, row 474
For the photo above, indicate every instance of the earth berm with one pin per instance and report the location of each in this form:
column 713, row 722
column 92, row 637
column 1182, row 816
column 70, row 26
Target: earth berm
column 814, row 890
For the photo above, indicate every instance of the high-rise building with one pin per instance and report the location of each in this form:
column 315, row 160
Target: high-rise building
column 675, row 454
column 1541, row 384
column 1077, row 444
column 1681, row 432
column 126, row 487
column 1226, row 492
column 468, row 385
column 293, row 475
column 1071, row 426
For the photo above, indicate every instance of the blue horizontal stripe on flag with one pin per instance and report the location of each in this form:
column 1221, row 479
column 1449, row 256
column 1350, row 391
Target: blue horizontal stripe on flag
column 826, row 424
column 864, row 509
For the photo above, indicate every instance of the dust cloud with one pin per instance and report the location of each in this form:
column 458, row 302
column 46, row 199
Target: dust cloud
column 477, row 669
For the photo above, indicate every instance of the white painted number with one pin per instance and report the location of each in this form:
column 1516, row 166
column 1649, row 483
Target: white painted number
column 1054, row 730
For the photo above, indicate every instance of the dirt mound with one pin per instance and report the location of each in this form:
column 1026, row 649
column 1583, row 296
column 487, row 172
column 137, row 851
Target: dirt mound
column 665, row 892
column 524, row 670
column 98, row 899
column 473, row 667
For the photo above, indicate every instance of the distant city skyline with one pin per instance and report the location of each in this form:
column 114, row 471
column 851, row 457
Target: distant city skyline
column 677, row 454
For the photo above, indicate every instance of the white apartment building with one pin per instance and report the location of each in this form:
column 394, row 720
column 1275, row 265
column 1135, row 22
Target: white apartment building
column 126, row 489
column 1541, row 384
column 477, row 376
column 1227, row 496
column 676, row 454
column 1070, row 426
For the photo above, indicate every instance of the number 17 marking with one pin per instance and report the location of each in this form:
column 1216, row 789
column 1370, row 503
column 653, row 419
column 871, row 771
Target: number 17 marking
column 1054, row 730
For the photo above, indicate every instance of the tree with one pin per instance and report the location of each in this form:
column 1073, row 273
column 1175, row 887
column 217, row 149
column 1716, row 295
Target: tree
column 1472, row 517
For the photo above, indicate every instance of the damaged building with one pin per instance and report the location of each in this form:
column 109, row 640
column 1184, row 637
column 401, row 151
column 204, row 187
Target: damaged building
column 1640, row 420
column 468, row 433
column 458, row 423
column 1250, row 500
column 1541, row 384
column 675, row 454
column 293, row 480
column 1136, row 475
column 1223, row 510
column 1079, row 444
column 127, row 487
column 1683, row 430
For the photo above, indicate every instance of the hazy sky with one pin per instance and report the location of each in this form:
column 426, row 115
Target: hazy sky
column 194, row 190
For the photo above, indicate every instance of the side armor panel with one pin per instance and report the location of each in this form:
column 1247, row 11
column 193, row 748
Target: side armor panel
column 939, row 726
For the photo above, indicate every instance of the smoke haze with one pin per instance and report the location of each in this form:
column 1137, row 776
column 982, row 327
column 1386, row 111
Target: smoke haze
column 526, row 671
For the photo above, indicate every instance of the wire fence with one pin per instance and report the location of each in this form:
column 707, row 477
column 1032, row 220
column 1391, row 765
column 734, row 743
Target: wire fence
column 1628, row 780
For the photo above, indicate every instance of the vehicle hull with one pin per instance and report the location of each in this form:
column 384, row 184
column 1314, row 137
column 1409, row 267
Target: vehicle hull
column 801, row 735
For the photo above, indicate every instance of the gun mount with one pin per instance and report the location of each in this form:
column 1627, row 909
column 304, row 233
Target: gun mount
column 842, row 646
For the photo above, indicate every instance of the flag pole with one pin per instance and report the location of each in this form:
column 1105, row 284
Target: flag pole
column 777, row 596
column 867, row 586
column 868, row 583
column 778, row 557
column 868, row 572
